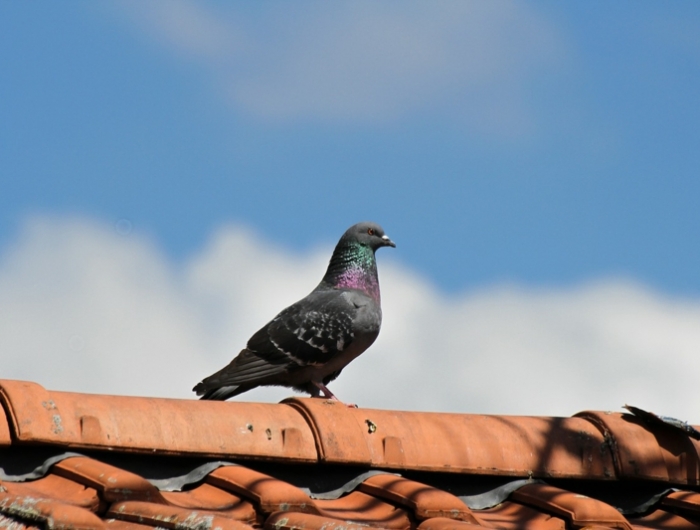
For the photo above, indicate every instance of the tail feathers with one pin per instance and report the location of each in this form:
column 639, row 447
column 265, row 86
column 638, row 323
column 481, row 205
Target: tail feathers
column 221, row 393
column 244, row 372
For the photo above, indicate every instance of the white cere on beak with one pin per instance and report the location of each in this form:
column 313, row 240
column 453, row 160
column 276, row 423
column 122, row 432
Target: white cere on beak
column 388, row 241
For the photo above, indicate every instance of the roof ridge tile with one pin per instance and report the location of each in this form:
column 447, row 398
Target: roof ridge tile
column 337, row 435
column 247, row 430
column 645, row 451
column 521, row 446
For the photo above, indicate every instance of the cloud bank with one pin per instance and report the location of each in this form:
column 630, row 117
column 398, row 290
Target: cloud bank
column 364, row 62
column 86, row 308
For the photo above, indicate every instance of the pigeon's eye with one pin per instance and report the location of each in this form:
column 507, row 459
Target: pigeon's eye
column 370, row 231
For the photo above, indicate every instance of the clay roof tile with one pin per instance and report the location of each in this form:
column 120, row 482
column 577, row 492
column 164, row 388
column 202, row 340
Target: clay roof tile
column 254, row 430
column 663, row 520
column 54, row 487
column 513, row 516
column 366, row 509
column 578, row 510
column 647, row 451
column 446, row 523
column 174, row 517
column 48, row 513
column 208, row 497
column 315, row 464
column 306, row 521
column 457, row 443
column 114, row 484
column 424, row 501
column 268, row 493
column 116, row 524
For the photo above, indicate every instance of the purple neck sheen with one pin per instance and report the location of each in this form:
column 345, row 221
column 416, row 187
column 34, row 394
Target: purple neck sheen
column 353, row 266
column 360, row 279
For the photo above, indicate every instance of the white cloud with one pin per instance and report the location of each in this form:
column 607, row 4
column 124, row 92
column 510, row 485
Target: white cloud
column 87, row 309
column 366, row 61
column 185, row 27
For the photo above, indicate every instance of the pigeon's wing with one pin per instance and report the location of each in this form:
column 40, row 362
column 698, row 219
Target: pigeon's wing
column 310, row 332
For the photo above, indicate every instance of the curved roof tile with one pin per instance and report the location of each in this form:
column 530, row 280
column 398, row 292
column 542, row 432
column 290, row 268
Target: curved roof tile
column 251, row 465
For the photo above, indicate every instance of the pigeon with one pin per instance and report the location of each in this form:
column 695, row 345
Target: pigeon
column 309, row 343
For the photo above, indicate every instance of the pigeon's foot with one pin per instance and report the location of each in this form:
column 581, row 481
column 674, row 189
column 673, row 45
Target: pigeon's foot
column 324, row 390
column 330, row 395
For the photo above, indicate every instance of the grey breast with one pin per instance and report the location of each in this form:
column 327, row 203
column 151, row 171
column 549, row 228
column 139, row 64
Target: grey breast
column 368, row 313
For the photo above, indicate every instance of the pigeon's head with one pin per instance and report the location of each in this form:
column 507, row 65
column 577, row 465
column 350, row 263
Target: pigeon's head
column 368, row 234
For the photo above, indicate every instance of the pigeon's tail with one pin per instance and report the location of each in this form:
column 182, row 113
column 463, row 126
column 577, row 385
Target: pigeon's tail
column 246, row 371
column 221, row 393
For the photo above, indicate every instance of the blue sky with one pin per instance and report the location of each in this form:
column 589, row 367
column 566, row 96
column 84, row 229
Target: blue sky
column 542, row 143
column 174, row 173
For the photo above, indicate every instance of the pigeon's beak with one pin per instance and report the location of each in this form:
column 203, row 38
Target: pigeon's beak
column 388, row 242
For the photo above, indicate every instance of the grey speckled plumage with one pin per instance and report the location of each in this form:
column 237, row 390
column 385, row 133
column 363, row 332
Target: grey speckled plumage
column 308, row 344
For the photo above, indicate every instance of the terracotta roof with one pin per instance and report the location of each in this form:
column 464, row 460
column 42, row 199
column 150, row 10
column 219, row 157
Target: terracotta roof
column 71, row 460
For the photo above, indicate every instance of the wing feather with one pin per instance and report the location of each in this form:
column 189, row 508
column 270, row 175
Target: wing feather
column 310, row 332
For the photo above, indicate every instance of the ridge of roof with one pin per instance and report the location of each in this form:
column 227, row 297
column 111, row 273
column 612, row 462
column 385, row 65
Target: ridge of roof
column 590, row 445
column 84, row 461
